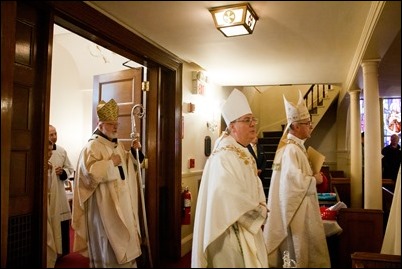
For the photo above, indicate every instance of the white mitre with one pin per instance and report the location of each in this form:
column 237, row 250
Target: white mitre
column 296, row 112
column 235, row 106
column 293, row 113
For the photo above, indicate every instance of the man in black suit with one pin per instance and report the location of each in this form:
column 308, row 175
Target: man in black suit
column 258, row 153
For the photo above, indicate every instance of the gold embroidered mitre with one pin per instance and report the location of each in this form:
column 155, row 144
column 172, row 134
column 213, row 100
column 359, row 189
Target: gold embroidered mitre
column 296, row 112
column 107, row 111
column 293, row 113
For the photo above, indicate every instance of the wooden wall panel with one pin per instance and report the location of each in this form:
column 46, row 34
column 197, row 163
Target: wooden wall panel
column 362, row 231
column 26, row 205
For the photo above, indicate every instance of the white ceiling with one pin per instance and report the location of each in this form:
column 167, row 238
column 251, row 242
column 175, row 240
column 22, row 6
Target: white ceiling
column 301, row 42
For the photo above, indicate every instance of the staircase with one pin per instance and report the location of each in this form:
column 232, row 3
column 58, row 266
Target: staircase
column 269, row 143
column 318, row 99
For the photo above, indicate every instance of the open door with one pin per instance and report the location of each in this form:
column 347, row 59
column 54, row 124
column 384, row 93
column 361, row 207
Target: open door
column 125, row 88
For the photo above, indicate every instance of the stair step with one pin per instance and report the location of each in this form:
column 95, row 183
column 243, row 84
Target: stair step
column 268, row 173
column 270, row 155
column 266, row 190
column 269, row 143
column 269, row 148
column 273, row 134
column 269, row 140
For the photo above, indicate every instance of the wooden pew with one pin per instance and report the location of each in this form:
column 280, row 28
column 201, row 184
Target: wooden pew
column 389, row 184
column 342, row 185
column 337, row 173
column 375, row 260
column 362, row 232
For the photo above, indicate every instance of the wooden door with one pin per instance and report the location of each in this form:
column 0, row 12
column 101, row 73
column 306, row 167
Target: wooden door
column 25, row 121
column 125, row 88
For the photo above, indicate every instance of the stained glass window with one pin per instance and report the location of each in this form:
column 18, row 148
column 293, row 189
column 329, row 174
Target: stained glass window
column 391, row 118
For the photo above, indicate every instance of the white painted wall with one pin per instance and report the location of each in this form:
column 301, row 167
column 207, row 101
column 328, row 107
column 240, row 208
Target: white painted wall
column 70, row 105
column 207, row 108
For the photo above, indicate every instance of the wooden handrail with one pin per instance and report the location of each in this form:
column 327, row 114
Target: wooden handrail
column 315, row 96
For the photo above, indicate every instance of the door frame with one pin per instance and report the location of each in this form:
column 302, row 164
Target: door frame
column 163, row 118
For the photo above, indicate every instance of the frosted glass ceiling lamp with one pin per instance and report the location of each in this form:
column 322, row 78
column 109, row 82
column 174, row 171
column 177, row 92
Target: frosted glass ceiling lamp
column 234, row 20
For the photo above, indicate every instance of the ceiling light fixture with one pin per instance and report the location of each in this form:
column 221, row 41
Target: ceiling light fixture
column 234, row 20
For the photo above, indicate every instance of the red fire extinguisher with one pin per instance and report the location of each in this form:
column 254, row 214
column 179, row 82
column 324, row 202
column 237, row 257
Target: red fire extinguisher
column 186, row 202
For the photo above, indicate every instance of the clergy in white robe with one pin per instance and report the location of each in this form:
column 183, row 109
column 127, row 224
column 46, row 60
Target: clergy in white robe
column 294, row 224
column 231, row 205
column 54, row 245
column 63, row 169
column 57, row 161
column 105, row 203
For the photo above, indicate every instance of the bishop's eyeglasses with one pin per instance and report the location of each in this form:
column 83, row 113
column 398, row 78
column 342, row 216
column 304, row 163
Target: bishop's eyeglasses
column 309, row 123
column 248, row 120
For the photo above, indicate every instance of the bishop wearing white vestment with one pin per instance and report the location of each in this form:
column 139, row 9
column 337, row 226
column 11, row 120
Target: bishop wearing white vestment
column 294, row 225
column 231, row 207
